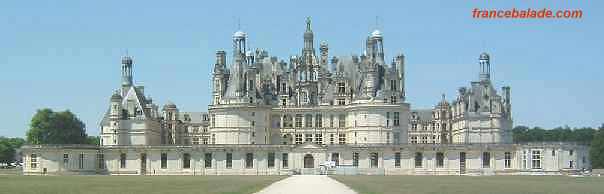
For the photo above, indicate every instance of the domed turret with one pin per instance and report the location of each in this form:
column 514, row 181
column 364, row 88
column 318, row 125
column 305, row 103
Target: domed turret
column 376, row 34
column 170, row 105
column 484, row 56
column 239, row 34
column 116, row 97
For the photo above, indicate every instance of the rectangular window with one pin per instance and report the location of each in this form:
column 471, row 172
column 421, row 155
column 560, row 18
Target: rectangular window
column 249, row 160
column 341, row 88
column 164, row 160
column 186, row 160
column 330, row 120
column 81, row 161
column 271, row 160
column 342, row 120
column 101, row 161
column 355, row 159
column 319, row 120
column 229, row 160
column 207, row 160
column 387, row 119
column 536, row 159
column 298, row 138
column 123, row 160
column 213, row 120
column 374, row 159
column 65, row 160
column 341, row 102
column 284, row 160
column 34, row 160
column 486, row 160
column 341, row 138
column 507, row 156
column 298, row 120
column 308, row 120
column 397, row 160
column 418, row 159
column 397, row 119
column 440, row 160
column 319, row 138
column 524, row 159
column 308, row 137
column 195, row 140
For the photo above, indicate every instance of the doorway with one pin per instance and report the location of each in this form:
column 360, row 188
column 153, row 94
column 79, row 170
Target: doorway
column 462, row 163
column 143, row 164
column 309, row 161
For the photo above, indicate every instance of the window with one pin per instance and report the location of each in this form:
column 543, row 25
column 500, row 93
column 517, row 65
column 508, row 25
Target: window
column 330, row 120
column 287, row 121
column 387, row 119
column 195, row 140
column 486, row 160
column 249, row 160
column 331, row 138
column 335, row 158
column 34, row 160
column 229, row 160
column 207, row 160
column 536, row 159
column 271, row 160
column 213, row 138
column 341, row 102
column 393, row 85
column 507, row 156
column 341, row 88
column 298, row 138
column 414, row 127
column 213, row 120
column 397, row 160
column 283, row 102
column 524, row 159
column 319, row 120
column 374, row 159
column 284, row 160
column 440, row 160
column 101, row 160
column 319, row 138
column 414, row 139
column 65, row 160
column 396, row 119
column 81, row 161
column 123, row 160
column 341, row 138
column 553, row 153
column 298, row 120
column 164, row 160
column 418, row 159
column 570, row 164
column 355, row 159
column 308, row 137
column 308, row 120
column 342, row 120
column 186, row 160
column 570, row 152
column 392, row 99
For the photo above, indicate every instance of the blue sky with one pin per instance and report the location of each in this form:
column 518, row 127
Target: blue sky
column 66, row 54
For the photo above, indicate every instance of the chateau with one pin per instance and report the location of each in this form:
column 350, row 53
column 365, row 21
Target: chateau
column 312, row 114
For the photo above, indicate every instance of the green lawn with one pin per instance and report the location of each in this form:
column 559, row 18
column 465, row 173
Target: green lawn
column 469, row 185
column 134, row 184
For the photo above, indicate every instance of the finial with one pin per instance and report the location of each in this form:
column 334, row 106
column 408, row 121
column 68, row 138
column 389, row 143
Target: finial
column 308, row 23
column 238, row 23
column 444, row 99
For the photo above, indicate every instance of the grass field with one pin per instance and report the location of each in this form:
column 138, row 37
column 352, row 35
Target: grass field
column 134, row 184
column 470, row 185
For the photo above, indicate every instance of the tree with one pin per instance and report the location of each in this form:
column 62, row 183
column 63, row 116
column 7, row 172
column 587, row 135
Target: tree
column 49, row 127
column 8, row 148
column 93, row 140
column 596, row 150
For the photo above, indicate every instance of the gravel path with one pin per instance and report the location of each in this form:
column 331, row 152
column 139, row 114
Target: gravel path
column 307, row 184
